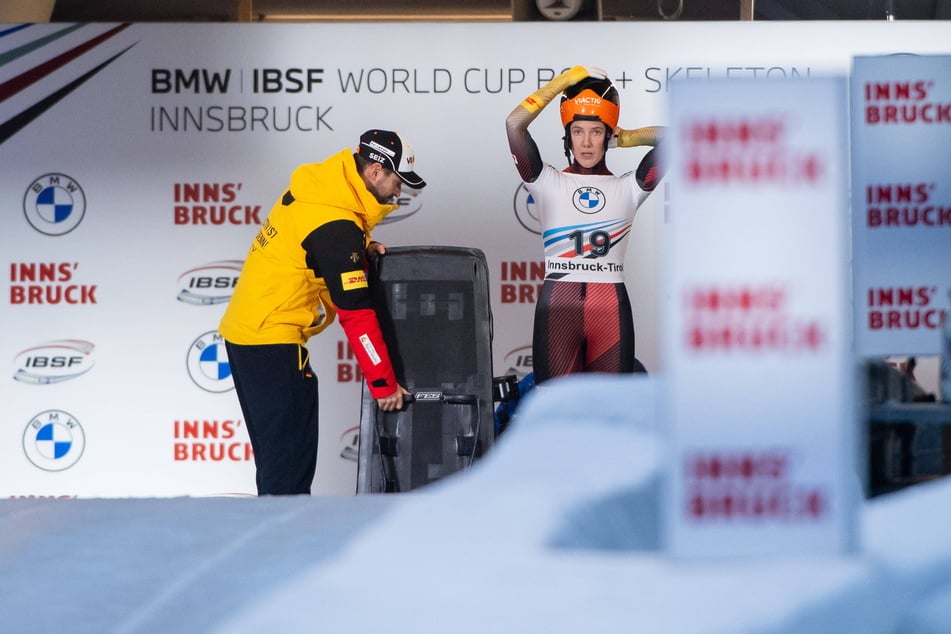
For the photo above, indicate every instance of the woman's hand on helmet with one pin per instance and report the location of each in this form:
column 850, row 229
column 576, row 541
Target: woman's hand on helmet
column 543, row 96
column 570, row 77
column 579, row 73
column 594, row 71
column 574, row 75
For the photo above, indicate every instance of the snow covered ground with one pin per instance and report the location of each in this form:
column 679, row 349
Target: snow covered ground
column 532, row 539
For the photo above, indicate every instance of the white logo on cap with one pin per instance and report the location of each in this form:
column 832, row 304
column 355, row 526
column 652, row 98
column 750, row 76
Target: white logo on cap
column 385, row 150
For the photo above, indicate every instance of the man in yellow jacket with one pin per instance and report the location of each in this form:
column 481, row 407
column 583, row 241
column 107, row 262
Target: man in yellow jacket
column 307, row 266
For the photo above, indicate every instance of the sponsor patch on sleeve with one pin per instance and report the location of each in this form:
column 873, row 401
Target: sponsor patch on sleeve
column 353, row 279
column 370, row 350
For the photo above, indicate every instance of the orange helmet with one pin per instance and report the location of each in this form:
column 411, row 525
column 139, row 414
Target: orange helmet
column 591, row 99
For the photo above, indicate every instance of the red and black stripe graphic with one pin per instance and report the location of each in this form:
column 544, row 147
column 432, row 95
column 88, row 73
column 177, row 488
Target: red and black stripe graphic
column 31, row 76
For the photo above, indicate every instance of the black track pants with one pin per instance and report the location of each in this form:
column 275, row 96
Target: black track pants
column 277, row 391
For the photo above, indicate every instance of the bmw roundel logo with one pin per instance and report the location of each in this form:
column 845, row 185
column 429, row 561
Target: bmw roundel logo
column 208, row 363
column 588, row 200
column 526, row 211
column 54, row 440
column 54, row 204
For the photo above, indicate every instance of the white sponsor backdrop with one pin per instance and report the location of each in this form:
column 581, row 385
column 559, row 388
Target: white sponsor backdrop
column 901, row 141
column 758, row 336
column 148, row 110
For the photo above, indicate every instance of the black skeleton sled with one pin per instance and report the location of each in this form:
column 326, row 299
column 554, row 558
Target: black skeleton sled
column 433, row 306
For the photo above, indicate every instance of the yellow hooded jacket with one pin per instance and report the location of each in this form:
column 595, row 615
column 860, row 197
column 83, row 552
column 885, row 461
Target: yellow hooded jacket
column 307, row 265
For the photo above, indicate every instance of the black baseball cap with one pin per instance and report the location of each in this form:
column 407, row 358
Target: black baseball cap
column 393, row 152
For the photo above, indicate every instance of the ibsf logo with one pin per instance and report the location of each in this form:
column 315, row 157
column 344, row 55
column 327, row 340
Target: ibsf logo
column 526, row 211
column 208, row 363
column 54, row 362
column 519, row 361
column 410, row 202
column 209, row 284
column 54, row 204
column 54, row 440
column 351, row 444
